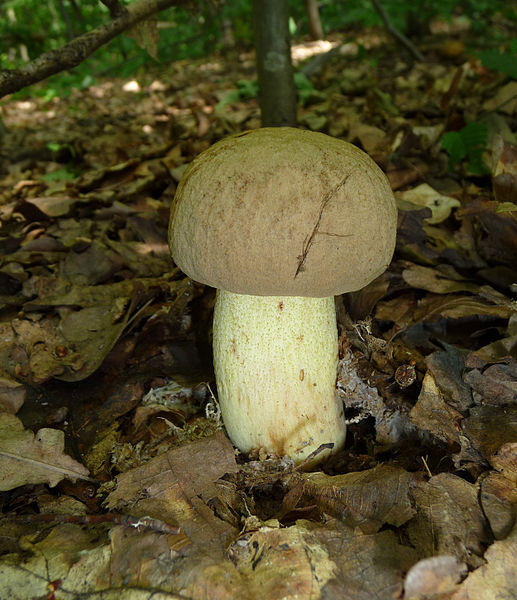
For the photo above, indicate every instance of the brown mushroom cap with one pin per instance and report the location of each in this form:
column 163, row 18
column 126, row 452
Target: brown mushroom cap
column 283, row 212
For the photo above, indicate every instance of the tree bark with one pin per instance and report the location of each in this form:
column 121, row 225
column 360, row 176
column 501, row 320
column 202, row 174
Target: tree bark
column 277, row 92
column 313, row 17
column 73, row 53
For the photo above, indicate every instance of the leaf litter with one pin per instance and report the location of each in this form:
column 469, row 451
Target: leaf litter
column 105, row 353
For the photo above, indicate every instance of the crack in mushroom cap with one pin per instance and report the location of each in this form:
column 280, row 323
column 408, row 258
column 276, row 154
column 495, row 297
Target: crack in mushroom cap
column 283, row 212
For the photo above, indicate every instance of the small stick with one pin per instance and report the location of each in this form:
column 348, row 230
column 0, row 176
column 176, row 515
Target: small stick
column 395, row 32
column 124, row 520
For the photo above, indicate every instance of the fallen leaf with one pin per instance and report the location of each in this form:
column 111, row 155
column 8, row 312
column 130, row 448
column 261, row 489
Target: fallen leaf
column 12, row 395
column 366, row 499
column 175, row 487
column 433, row 576
column 449, row 519
column 425, row 196
column 488, row 427
column 447, row 367
column 26, row 457
column 432, row 413
column 494, row 580
column 497, row 384
column 368, row 565
column 440, row 280
column 301, row 564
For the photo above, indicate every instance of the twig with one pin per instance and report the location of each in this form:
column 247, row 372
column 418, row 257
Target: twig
column 116, row 519
column 73, row 53
column 395, row 32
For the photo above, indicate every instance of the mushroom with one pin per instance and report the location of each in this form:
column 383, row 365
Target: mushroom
column 280, row 220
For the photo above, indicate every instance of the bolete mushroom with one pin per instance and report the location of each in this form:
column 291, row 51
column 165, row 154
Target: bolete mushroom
column 281, row 220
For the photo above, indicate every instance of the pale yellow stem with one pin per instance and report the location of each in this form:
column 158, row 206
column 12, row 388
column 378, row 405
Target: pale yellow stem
column 275, row 362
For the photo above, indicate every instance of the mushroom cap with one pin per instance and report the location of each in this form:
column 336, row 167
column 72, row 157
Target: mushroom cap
column 283, row 212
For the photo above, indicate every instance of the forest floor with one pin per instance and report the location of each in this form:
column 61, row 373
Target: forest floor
column 117, row 478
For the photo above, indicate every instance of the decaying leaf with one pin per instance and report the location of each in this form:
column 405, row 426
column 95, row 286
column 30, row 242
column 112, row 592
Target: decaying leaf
column 489, row 427
column 146, row 35
column 366, row 499
column 12, row 395
column 497, row 384
column 449, row 519
column 447, row 367
column 498, row 493
column 176, row 486
column 302, row 564
column 368, row 565
column 495, row 579
column 26, row 457
column 432, row 413
column 68, row 553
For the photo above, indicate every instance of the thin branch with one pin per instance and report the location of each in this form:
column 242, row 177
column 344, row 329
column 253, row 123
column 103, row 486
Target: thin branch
column 115, row 8
column 73, row 53
column 395, row 32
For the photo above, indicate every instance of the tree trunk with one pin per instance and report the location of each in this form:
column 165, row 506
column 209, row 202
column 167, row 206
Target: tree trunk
column 277, row 92
column 313, row 17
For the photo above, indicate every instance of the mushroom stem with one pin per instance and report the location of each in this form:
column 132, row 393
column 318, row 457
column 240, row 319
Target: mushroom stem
column 275, row 360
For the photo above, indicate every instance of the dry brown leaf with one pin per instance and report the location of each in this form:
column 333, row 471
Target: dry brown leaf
column 282, row 564
column 489, row 427
column 498, row 495
column 369, row 136
column 69, row 552
column 26, row 457
column 432, row 413
column 368, row 566
column 447, row 367
column 498, row 499
column 439, row 280
column 366, row 499
column 497, row 384
column 494, row 580
column 505, row 461
column 12, row 395
column 449, row 519
column 176, row 486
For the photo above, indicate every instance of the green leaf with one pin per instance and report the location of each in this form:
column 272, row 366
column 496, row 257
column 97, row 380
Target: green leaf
column 59, row 175
column 504, row 62
column 453, row 143
column 468, row 143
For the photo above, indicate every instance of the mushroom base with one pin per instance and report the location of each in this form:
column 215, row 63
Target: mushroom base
column 275, row 361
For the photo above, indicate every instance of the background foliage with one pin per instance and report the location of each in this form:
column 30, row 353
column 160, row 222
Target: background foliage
column 30, row 27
